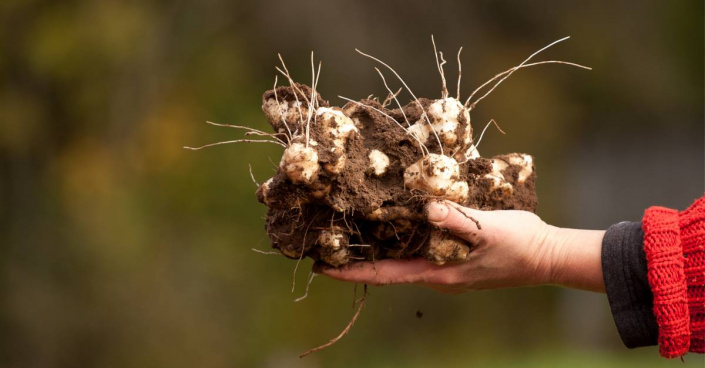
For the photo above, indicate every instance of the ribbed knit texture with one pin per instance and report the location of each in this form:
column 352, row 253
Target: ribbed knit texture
column 675, row 252
column 692, row 226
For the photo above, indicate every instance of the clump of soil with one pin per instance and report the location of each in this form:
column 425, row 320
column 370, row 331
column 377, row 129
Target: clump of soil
column 353, row 181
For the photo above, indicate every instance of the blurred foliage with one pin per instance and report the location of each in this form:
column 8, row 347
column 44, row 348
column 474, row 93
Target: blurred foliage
column 120, row 249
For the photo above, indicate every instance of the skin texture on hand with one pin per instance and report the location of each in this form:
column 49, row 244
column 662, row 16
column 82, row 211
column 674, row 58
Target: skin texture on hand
column 508, row 249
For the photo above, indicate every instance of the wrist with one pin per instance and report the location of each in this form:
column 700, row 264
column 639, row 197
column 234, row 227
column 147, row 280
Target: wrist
column 575, row 258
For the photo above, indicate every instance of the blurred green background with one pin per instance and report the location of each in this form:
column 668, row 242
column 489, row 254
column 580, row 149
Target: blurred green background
column 120, row 249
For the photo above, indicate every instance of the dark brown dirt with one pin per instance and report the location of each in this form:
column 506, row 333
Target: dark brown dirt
column 378, row 213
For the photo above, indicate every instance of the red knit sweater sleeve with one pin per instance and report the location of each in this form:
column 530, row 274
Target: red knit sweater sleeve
column 675, row 252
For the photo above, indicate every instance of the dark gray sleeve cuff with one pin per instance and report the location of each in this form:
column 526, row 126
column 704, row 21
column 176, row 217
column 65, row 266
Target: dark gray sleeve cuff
column 627, row 285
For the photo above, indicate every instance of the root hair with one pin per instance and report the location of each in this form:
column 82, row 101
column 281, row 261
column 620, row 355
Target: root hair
column 311, row 275
column 314, row 98
column 508, row 73
column 250, row 131
column 252, row 176
column 460, row 73
column 394, row 95
column 285, row 73
column 444, row 91
column 345, row 330
column 483, row 131
column 265, row 252
column 482, row 134
column 234, row 141
column 391, row 96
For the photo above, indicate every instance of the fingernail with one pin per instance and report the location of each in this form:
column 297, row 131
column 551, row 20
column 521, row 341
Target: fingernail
column 437, row 211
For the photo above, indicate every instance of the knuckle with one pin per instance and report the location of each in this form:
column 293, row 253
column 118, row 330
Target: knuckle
column 459, row 221
column 380, row 281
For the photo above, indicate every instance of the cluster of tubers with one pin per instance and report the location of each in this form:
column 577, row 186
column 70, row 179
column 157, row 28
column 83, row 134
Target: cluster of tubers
column 353, row 180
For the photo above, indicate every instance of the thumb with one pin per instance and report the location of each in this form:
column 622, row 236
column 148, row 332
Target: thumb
column 463, row 222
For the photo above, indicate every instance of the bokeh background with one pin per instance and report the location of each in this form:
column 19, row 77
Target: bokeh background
column 120, row 249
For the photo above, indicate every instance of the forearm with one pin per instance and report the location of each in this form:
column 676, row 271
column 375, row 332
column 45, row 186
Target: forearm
column 576, row 258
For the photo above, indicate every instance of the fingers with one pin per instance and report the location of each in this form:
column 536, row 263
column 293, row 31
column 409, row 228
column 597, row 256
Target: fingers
column 384, row 272
column 462, row 222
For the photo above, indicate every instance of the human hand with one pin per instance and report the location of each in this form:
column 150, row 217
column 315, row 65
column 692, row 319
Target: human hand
column 508, row 249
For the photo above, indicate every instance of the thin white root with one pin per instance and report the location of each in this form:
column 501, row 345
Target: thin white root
column 264, row 252
column 410, row 92
column 318, row 76
column 512, row 70
column 252, row 176
column 394, row 96
column 444, row 91
column 311, row 275
column 345, row 331
column 390, row 97
column 359, row 245
column 519, row 67
column 235, row 141
column 250, row 131
column 423, row 146
column 296, row 95
column 285, row 73
column 477, row 144
column 311, row 105
column 460, row 73
column 271, row 135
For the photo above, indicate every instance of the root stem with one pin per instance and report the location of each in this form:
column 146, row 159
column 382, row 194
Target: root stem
column 504, row 75
column 460, row 73
column 345, row 331
column 311, row 275
column 439, row 64
column 250, row 131
column 252, row 176
column 234, row 141
column 265, row 252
